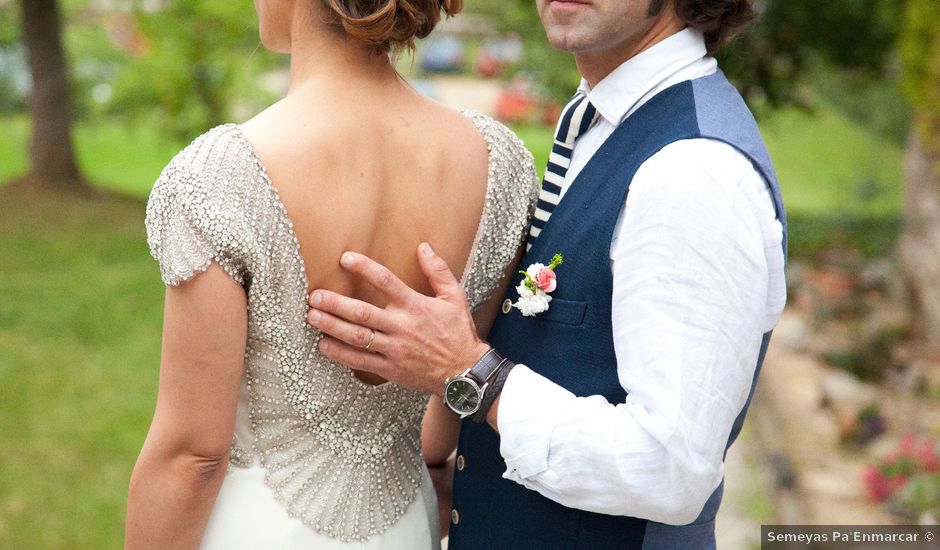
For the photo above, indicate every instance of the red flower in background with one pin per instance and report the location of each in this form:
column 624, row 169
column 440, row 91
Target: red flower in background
column 926, row 456
column 876, row 483
column 907, row 444
column 913, row 457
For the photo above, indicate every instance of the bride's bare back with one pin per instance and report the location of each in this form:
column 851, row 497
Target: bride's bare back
column 376, row 176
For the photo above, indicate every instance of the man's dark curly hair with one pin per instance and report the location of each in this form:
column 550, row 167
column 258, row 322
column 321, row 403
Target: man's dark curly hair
column 718, row 20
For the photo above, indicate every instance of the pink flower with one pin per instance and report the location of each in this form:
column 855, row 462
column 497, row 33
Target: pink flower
column 907, row 444
column 546, row 280
column 927, row 456
column 896, row 483
column 876, row 483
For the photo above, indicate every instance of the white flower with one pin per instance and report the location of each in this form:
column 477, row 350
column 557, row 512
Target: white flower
column 531, row 303
column 524, row 291
column 534, row 269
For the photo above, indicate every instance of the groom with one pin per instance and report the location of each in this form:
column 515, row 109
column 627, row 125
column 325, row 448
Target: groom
column 602, row 421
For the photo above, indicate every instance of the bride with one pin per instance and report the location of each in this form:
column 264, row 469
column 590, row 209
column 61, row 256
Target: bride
column 257, row 440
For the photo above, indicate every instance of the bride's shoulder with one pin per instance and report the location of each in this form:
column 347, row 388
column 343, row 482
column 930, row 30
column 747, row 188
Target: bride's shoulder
column 498, row 135
column 208, row 170
column 510, row 160
column 218, row 150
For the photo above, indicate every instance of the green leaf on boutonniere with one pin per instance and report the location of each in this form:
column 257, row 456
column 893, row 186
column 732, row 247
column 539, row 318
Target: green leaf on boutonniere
column 528, row 282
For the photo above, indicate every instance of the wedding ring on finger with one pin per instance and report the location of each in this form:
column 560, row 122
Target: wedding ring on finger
column 371, row 340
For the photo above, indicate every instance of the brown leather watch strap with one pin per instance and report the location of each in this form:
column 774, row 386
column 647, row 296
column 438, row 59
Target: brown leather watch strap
column 495, row 386
column 483, row 370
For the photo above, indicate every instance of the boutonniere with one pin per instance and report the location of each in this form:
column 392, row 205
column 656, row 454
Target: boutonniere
column 540, row 280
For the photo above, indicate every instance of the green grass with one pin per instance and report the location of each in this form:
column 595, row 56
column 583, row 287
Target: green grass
column 538, row 139
column 829, row 166
column 122, row 156
column 842, row 184
column 14, row 139
column 79, row 344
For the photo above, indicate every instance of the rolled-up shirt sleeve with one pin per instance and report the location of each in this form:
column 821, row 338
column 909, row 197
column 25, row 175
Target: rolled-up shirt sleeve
column 698, row 278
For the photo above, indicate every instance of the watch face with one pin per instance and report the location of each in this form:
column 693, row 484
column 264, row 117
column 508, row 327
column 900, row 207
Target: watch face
column 463, row 396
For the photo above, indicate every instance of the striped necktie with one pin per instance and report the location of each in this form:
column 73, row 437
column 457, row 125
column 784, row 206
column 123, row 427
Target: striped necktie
column 577, row 117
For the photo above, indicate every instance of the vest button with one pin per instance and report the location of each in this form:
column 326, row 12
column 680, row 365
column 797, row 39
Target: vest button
column 454, row 516
column 461, row 462
column 507, row 306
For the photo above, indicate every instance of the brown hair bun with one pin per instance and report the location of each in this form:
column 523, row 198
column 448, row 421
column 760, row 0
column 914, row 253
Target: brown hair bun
column 387, row 24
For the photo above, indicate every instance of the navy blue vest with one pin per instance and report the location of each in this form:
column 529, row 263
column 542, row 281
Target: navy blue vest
column 495, row 513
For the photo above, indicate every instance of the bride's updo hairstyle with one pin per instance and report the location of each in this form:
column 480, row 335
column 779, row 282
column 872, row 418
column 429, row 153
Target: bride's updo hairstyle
column 718, row 20
column 384, row 25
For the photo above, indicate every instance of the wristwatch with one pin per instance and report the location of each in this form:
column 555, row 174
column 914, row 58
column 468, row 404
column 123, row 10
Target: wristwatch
column 466, row 394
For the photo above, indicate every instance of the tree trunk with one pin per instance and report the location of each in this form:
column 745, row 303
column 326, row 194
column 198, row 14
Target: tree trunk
column 51, row 154
column 920, row 240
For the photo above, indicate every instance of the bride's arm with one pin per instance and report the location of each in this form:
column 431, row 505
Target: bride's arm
column 441, row 426
column 186, row 453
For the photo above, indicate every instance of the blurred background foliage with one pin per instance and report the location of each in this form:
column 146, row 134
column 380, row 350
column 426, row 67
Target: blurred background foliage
column 191, row 64
column 180, row 65
column 172, row 69
column 835, row 85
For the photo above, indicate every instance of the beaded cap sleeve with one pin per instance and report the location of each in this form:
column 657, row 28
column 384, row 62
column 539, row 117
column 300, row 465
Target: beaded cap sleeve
column 341, row 455
column 193, row 219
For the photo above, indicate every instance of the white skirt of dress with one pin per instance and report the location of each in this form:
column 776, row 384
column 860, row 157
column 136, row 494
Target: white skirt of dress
column 247, row 517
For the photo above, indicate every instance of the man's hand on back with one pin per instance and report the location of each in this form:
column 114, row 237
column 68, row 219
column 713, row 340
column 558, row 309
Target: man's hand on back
column 418, row 341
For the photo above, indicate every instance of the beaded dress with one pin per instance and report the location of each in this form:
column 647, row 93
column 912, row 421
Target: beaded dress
column 320, row 459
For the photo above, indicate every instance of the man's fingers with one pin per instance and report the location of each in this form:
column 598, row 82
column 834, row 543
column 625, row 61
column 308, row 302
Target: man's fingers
column 440, row 276
column 352, row 310
column 378, row 276
column 355, row 335
column 354, row 358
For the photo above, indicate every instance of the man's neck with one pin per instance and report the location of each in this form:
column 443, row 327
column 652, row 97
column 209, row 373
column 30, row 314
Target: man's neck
column 595, row 65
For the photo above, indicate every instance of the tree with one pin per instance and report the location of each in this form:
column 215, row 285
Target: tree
column 794, row 42
column 920, row 240
column 201, row 60
column 52, row 157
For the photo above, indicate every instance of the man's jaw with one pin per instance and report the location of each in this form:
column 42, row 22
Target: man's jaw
column 564, row 21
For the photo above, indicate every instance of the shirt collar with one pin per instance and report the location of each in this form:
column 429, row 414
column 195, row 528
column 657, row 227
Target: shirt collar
column 618, row 93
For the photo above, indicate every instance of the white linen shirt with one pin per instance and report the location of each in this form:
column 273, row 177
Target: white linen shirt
column 698, row 278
